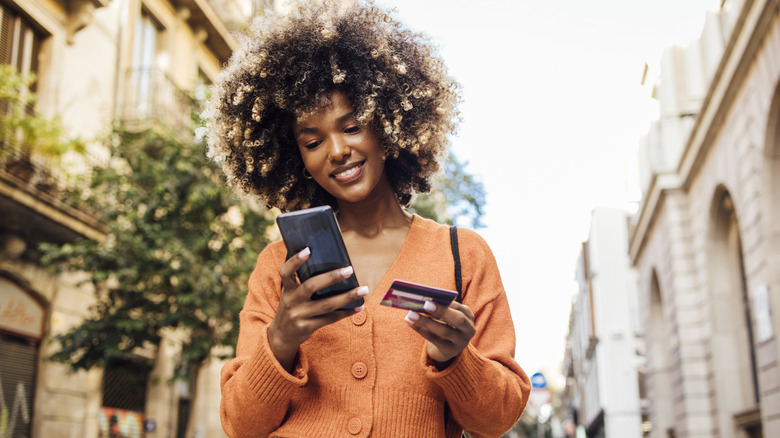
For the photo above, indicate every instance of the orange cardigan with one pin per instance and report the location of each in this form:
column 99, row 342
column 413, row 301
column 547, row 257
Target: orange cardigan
column 368, row 374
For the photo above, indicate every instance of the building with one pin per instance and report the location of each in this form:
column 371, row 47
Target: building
column 706, row 240
column 96, row 61
column 601, row 363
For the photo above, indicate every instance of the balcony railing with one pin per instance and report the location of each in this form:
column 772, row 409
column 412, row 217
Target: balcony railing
column 52, row 188
column 150, row 96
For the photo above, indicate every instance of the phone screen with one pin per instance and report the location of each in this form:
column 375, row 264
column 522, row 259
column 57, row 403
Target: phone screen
column 318, row 229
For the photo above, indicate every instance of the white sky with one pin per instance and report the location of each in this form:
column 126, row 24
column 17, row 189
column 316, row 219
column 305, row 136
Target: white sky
column 552, row 106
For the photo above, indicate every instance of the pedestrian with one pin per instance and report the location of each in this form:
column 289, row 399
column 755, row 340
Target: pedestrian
column 340, row 104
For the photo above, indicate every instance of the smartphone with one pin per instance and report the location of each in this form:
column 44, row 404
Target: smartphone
column 412, row 296
column 317, row 229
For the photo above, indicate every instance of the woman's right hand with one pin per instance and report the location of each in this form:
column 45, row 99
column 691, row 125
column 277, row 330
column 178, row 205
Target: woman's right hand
column 298, row 316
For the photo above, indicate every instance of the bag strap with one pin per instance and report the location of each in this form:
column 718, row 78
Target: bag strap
column 450, row 424
column 456, row 257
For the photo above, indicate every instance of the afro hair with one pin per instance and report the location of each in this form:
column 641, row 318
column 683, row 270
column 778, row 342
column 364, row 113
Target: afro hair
column 286, row 68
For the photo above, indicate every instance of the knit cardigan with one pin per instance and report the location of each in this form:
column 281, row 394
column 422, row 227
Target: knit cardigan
column 368, row 374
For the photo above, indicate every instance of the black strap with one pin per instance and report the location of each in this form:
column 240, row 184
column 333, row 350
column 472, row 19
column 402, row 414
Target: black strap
column 459, row 287
column 456, row 257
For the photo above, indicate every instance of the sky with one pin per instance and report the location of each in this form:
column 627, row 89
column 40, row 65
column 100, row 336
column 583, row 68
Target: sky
column 553, row 111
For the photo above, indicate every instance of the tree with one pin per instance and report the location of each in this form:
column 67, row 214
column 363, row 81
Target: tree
column 178, row 254
column 457, row 196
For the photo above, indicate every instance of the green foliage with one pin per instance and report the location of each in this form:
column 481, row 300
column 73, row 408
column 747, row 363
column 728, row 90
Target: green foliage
column 178, row 255
column 21, row 128
column 457, row 197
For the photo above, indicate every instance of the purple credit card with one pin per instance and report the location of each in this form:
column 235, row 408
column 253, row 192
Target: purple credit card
column 412, row 296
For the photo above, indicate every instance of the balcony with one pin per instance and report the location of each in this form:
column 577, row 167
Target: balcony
column 151, row 96
column 34, row 193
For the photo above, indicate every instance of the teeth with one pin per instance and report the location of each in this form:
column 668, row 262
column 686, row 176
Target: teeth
column 347, row 173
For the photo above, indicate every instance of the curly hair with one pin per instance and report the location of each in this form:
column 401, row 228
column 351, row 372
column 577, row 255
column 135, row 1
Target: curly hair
column 287, row 67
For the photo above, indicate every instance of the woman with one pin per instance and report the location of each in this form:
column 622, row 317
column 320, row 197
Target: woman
column 341, row 105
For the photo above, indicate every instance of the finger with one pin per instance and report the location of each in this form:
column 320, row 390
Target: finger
column 336, row 302
column 434, row 330
column 291, row 266
column 456, row 315
column 463, row 308
column 331, row 317
column 321, row 281
column 329, row 310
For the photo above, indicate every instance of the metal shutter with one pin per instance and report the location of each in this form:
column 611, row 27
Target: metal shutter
column 17, row 383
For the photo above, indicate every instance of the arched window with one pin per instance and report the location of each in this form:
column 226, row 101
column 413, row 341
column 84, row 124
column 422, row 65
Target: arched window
column 732, row 350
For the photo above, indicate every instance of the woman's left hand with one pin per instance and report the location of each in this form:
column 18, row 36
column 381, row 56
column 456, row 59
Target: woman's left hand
column 447, row 329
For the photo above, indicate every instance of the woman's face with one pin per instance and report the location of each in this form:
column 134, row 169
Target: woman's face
column 343, row 157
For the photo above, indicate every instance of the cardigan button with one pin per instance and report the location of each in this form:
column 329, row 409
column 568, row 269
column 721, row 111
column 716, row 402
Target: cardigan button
column 359, row 318
column 355, row 425
column 359, row 370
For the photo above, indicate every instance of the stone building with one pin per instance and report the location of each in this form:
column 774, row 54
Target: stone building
column 600, row 365
column 706, row 239
column 96, row 61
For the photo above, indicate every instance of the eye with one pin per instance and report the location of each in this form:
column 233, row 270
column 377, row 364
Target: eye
column 312, row 144
column 352, row 129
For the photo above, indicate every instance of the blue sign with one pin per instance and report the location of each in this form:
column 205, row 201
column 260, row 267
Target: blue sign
column 150, row 425
column 538, row 381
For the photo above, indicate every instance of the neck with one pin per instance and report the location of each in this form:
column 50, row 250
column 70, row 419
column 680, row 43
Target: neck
column 369, row 217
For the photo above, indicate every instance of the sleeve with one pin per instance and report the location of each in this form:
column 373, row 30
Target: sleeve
column 256, row 389
column 485, row 388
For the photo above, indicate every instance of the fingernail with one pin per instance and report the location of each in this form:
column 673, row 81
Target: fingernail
column 429, row 306
column 411, row 317
column 346, row 271
column 359, row 308
column 362, row 291
column 304, row 253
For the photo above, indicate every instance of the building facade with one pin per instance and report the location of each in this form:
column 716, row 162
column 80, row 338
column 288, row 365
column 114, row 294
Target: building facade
column 706, row 239
column 96, row 61
column 600, row 363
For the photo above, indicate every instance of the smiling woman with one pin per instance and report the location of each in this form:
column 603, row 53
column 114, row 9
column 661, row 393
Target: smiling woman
column 287, row 68
column 342, row 105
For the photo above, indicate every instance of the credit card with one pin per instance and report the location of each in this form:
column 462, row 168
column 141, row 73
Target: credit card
column 412, row 296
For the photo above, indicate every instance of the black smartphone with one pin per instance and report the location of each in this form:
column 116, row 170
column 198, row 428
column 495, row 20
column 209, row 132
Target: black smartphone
column 318, row 229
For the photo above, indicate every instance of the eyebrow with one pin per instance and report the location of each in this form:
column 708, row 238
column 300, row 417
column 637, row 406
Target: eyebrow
column 311, row 130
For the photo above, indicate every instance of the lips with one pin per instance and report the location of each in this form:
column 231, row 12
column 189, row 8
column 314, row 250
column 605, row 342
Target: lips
column 348, row 173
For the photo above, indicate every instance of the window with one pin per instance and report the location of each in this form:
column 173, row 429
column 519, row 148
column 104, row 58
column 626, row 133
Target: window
column 124, row 385
column 19, row 42
column 19, row 46
column 146, row 61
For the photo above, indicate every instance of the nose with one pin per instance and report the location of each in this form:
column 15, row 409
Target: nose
column 339, row 148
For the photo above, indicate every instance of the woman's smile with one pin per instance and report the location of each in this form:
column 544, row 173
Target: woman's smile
column 348, row 173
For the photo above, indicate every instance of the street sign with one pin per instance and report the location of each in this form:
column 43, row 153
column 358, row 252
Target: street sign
column 538, row 381
column 540, row 393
